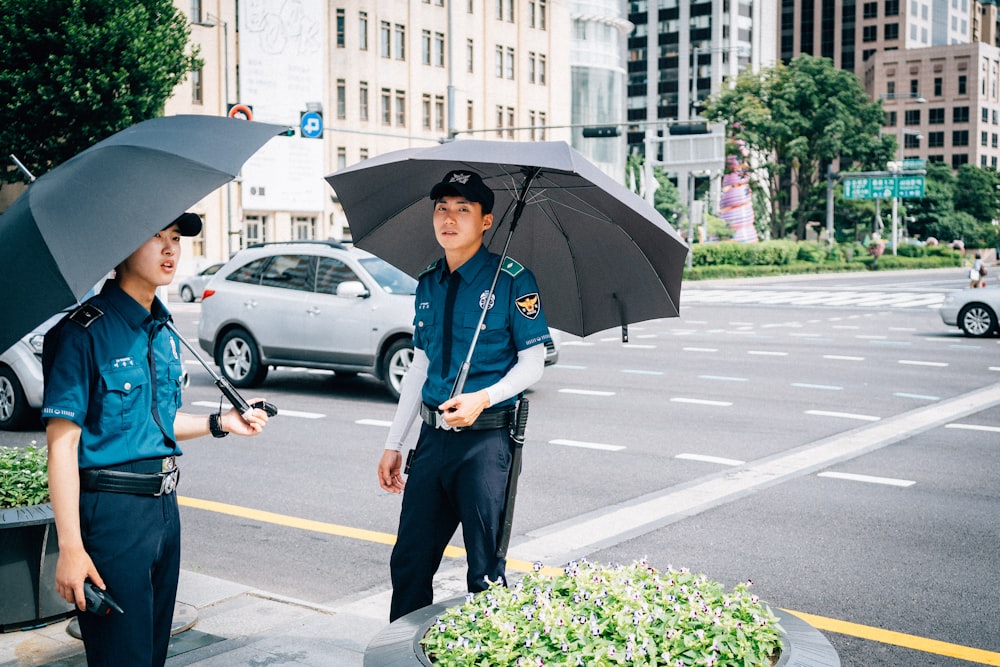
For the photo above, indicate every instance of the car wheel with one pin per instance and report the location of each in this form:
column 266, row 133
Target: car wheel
column 14, row 409
column 395, row 362
column 977, row 320
column 239, row 359
column 187, row 294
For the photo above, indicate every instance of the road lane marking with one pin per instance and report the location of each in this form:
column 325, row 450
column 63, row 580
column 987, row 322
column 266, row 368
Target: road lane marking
column 870, row 479
column 900, row 639
column 576, row 343
column 842, row 357
column 700, row 401
column 700, row 349
column 922, row 397
column 281, row 411
column 825, row 387
column 974, row 427
column 634, row 371
column 710, row 459
column 373, row 422
column 587, row 445
column 723, row 378
column 766, row 353
column 912, row 362
column 845, row 415
column 587, row 392
column 570, row 367
column 578, row 536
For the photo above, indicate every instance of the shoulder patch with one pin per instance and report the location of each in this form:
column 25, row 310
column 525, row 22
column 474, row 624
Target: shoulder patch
column 430, row 267
column 86, row 314
column 512, row 268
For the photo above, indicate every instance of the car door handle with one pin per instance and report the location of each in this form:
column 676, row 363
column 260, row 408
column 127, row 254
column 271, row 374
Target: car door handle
column 313, row 310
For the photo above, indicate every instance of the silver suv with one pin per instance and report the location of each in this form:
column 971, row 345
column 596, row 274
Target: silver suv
column 308, row 304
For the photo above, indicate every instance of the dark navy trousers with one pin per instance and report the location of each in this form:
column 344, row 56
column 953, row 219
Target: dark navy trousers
column 455, row 478
column 135, row 543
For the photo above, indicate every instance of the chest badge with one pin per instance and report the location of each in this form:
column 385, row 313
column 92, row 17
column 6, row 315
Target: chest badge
column 482, row 299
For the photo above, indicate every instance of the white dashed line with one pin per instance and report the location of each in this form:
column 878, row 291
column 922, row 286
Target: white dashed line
column 765, row 353
column 826, row 387
column 841, row 357
column 586, row 392
column 281, row 411
column 700, row 349
column 922, row 397
column 975, row 427
column 641, row 372
column 587, row 445
column 373, row 422
column 722, row 378
column 710, row 459
column 935, row 364
column 844, row 415
column 701, row 401
column 867, row 478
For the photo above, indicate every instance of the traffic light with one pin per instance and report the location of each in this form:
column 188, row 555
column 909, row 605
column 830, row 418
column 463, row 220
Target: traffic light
column 601, row 131
column 689, row 127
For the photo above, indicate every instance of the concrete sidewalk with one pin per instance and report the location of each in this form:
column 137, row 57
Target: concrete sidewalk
column 240, row 625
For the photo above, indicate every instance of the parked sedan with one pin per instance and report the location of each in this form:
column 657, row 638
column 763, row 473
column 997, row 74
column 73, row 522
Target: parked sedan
column 974, row 311
column 191, row 287
column 21, row 385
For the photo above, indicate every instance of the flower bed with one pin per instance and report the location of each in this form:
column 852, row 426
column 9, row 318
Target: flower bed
column 607, row 615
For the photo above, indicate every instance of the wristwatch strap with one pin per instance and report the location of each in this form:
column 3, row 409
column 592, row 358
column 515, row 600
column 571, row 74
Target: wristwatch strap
column 215, row 425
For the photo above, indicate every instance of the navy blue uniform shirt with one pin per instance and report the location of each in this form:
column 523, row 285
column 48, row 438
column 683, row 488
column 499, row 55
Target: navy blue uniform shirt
column 515, row 321
column 96, row 369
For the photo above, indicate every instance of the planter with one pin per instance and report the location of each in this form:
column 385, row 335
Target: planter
column 28, row 554
column 398, row 645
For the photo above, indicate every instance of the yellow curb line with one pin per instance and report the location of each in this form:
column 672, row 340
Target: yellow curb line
column 819, row 622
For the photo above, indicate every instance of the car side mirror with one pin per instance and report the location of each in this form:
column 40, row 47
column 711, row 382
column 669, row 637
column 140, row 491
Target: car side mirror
column 353, row 289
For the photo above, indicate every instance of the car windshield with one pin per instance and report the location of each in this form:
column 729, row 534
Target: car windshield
column 390, row 278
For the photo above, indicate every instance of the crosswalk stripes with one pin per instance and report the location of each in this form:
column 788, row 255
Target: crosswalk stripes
column 828, row 298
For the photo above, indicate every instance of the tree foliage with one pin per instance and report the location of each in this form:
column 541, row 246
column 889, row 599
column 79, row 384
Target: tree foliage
column 76, row 71
column 796, row 119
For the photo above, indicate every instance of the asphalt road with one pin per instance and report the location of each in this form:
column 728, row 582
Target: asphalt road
column 840, row 453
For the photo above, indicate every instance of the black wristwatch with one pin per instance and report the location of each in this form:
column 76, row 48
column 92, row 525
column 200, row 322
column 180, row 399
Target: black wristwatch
column 215, row 425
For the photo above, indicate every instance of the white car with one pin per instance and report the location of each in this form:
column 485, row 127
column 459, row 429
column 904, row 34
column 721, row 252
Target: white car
column 191, row 287
column 21, row 385
column 974, row 311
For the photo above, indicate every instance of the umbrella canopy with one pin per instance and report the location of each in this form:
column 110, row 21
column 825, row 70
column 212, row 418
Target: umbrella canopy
column 77, row 222
column 603, row 257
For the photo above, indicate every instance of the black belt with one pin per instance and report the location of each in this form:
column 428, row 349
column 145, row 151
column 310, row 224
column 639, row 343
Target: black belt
column 487, row 420
column 155, row 477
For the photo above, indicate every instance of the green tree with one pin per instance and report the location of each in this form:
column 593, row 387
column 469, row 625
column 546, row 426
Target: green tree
column 936, row 205
column 796, row 119
column 77, row 71
column 976, row 192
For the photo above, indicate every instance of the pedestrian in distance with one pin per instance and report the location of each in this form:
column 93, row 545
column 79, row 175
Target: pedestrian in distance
column 977, row 274
column 459, row 469
column 113, row 378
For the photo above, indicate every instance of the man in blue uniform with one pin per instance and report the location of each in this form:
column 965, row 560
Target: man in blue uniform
column 112, row 392
column 458, row 473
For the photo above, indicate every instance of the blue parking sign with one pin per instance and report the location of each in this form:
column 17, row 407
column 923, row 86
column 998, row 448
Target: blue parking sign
column 311, row 124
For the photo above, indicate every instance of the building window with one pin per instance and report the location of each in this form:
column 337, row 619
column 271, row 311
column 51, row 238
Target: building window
column 891, row 32
column 469, row 114
column 425, row 106
column 363, row 153
column 935, row 116
column 340, row 28
column 890, row 90
column 938, row 86
column 891, row 119
column 386, row 106
column 531, row 124
column 960, row 115
column 439, row 112
column 541, row 69
column 304, row 228
column 499, row 62
column 425, row 47
column 470, row 56
column 511, row 122
column 531, row 66
column 986, row 115
column 984, row 138
column 912, row 117
column 198, row 87
column 400, row 44
column 198, row 242
column 914, row 88
column 958, row 159
column 536, row 14
column 911, row 141
column 439, row 49
column 963, row 84
column 384, row 39
column 500, row 121
column 869, row 33
column 892, row 7
column 363, row 31
column 509, row 62
column 341, row 98
column 401, row 108
column 960, row 138
column 363, row 100
column 541, row 126
column 935, row 139
column 254, row 229
column 871, row 10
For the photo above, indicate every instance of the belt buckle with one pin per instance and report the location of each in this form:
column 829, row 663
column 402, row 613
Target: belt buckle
column 169, row 463
column 168, row 483
column 440, row 423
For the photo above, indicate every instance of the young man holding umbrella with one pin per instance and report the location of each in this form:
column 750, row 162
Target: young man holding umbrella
column 459, row 468
column 112, row 392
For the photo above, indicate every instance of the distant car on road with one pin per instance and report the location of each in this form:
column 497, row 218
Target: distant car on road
column 191, row 287
column 974, row 311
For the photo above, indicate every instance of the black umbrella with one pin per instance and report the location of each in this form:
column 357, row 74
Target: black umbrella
column 77, row 222
column 603, row 257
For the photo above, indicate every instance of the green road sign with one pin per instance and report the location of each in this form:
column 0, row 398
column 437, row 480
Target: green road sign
column 884, row 187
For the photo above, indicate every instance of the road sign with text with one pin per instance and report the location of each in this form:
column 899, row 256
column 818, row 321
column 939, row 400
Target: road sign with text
column 903, row 186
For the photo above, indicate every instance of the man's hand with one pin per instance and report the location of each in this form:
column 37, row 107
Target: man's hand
column 390, row 468
column 73, row 567
column 464, row 409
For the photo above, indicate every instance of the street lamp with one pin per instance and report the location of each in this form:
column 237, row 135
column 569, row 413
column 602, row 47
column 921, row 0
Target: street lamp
column 903, row 133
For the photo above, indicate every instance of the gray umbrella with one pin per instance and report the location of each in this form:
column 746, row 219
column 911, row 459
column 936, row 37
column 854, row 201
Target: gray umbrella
column 77, row 222
column 603, row 257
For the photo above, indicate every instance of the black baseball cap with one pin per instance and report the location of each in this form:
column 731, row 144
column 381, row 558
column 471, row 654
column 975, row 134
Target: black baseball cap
column 464, row 183
column 189, row 224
